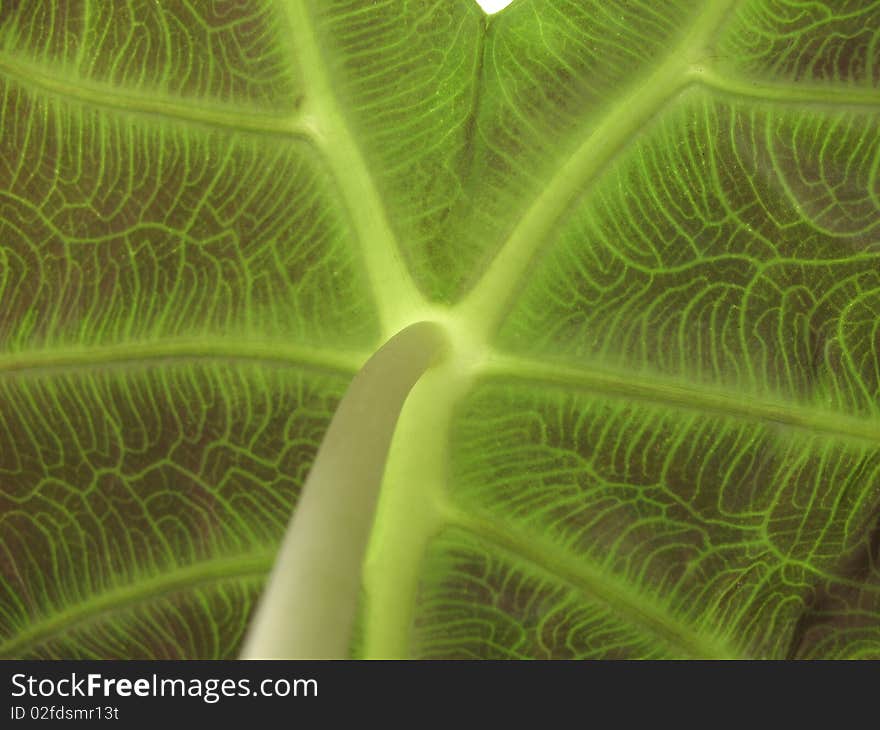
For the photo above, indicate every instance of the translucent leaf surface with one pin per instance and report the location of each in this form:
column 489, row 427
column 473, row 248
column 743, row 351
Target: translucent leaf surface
column 650, row 230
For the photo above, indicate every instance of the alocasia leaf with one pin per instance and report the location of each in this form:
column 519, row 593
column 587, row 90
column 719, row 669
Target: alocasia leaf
column 650, row 232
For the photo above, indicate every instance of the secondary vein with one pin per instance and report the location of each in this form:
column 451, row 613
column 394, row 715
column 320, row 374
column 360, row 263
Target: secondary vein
column 669, row 392
column 117, row 98
column 77, row 615
column 38, row 362
column 846, row 96
column 586, row 579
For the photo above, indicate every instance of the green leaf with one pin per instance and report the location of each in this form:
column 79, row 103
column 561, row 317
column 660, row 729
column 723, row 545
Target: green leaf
column 649, row 231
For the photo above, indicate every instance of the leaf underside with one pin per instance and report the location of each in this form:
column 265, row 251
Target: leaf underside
column 651, row 229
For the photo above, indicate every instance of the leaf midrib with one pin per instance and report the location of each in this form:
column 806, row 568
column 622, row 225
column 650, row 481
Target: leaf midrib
column 394, row 290
column 593, row 150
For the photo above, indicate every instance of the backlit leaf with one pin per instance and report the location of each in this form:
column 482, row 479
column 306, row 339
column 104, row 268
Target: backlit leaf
column 651, row 232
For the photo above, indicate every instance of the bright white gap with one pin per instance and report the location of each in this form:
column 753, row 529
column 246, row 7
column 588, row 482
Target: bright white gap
column 493, row 6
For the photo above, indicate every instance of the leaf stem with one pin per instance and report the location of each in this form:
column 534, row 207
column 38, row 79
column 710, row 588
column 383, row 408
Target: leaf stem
column 308, row 608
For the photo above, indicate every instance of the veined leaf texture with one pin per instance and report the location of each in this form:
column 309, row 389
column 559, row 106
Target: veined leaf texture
column 651, row 230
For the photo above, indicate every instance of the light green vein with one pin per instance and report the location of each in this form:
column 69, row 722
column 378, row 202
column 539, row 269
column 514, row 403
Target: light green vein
column 71, row 358
column 636, row 608
column 809, row 94
column 124, row 596
column 394, row 290
column 692, row 396
column 488, row 301
column 119, row 99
